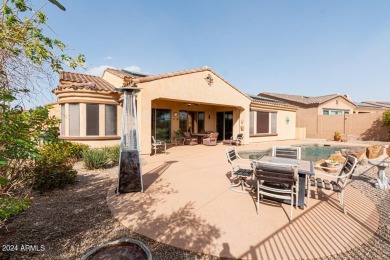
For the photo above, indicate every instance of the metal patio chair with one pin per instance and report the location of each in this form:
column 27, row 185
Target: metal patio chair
column 240, row 168
column 157, row 144
column 276, row 180
column 236, row 141
column 339, row 181
column 291, row 152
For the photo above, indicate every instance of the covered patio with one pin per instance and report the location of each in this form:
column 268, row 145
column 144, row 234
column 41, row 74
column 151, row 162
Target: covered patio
column 187, row 203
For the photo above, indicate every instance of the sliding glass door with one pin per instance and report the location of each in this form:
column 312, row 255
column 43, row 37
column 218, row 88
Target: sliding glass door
column 161, row 124
column 225, row 125
column 192, row 121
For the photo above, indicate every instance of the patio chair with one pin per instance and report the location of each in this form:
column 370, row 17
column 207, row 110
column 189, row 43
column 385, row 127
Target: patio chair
column 276, row 180
column 291, row 152
column 241, row 169
column 157, row 144
column 189, row 139
column 211, row 139
column 237, row 141
column 342, row 178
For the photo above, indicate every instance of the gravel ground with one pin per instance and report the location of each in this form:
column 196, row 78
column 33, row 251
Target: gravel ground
column 71, row 221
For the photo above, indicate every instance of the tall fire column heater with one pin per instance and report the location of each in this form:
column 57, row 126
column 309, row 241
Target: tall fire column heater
column 130, row 174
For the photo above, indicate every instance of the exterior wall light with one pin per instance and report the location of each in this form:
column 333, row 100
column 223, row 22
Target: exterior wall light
column 287, row 120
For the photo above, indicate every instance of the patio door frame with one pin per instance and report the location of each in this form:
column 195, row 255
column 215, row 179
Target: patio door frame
column 223, row 134
column 154, row 124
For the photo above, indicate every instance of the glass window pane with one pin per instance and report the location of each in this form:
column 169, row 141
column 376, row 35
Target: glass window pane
column 92, row 119
column 325, row 112
column 62, row 119
column 163, row 125
column 110, row 120
column 74, row 120
column 262, row 122
column 200, row 122
column 228, row 125
column 183, row 121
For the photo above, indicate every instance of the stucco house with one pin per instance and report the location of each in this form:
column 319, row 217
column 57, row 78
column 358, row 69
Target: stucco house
column 309, row 108
column 371, row 107
column 198, row 99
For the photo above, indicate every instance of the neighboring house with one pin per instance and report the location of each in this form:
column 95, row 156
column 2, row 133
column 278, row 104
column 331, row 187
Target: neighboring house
column 311, row 107
column 197, row 100
column 371, row 107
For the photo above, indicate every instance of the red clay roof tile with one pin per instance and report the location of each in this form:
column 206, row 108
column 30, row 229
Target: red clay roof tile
column 77, row 81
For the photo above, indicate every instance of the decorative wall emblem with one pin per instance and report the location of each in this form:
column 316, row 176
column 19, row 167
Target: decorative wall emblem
column 209, row 79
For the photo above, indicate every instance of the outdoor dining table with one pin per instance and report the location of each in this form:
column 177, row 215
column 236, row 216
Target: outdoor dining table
column 304, row 168
column 200, row 136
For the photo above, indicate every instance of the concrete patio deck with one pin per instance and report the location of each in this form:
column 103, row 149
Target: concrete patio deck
column 187, row 203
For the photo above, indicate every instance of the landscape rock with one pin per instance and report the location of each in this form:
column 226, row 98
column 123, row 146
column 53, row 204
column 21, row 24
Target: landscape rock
column 320, row 163
column 374, row 151
column 358, row 152
column 337, row 157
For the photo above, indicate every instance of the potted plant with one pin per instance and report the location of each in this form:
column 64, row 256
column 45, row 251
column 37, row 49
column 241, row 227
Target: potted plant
column 337, row 136
column 178, row 132
column 332, row 164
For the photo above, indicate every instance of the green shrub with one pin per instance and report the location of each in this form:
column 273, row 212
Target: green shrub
column 54, row 169
column 50, row 174
column 113, row 153
column 96, row 158
column 64, row 149
column 13, row 206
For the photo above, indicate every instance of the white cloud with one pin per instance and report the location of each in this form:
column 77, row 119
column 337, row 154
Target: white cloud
column 98, row 71
column 133, row 68
column 108, row 58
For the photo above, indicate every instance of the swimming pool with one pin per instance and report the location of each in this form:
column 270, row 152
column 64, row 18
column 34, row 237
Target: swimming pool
column 309, row 152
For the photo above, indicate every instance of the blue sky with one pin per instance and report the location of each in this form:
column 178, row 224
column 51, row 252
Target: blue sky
column 297, row 47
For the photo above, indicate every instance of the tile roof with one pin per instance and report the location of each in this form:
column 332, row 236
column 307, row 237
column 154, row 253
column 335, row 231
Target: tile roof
column 256, row 99
column 269, row 101
column 301, row 99
column 125, row 73
column 83, row 81
column 135, row 81
column 170, row 74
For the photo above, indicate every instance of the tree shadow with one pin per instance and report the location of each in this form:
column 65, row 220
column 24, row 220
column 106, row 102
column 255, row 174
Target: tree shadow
column 151, row 176
column 310, row 235
column 146, row 214
column 377, row 132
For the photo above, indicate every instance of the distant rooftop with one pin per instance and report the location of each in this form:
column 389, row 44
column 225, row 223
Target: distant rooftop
column 265, row 99
column 378, row 103
column 304, row 100
column 125, row 73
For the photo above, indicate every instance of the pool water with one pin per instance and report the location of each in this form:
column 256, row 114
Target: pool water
column 308, row 152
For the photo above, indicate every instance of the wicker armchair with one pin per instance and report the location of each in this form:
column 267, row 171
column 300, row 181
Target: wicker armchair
column 211, row 139
column 189, row 139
